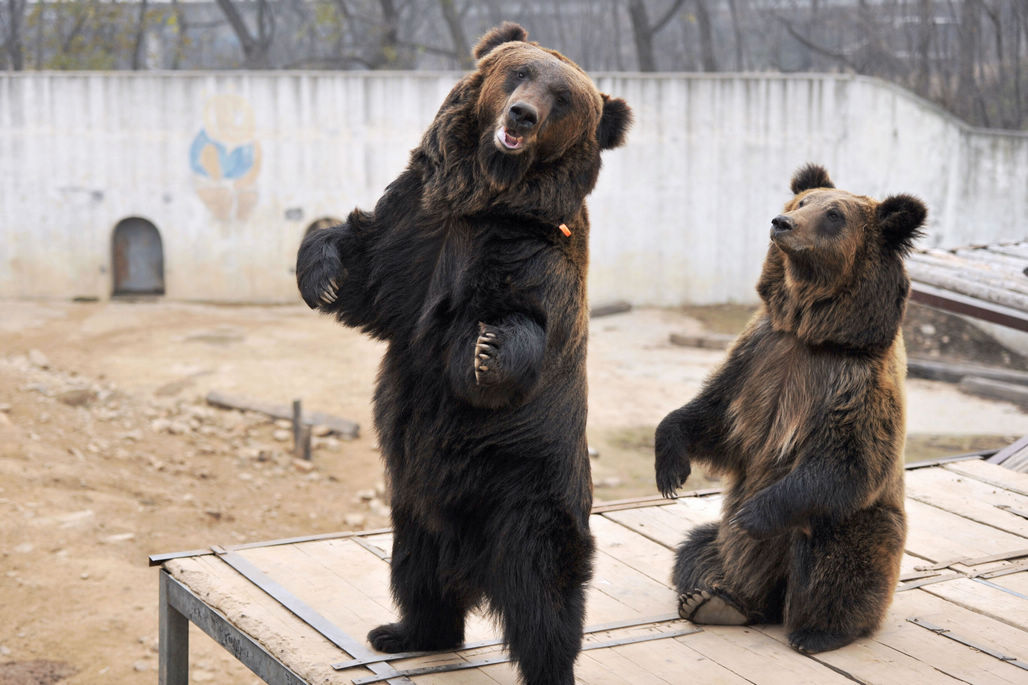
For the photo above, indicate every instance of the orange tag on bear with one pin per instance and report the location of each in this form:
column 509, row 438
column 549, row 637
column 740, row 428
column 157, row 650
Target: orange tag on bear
column 565, row 230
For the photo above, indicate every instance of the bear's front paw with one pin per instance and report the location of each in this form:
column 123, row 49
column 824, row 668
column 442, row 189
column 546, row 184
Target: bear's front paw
column 319, row 271
column 487, row 351
column 672, row 463
column 755, row 519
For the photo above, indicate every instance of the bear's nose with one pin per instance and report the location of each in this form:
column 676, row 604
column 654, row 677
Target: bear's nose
column 523, row 116
column 782, row 223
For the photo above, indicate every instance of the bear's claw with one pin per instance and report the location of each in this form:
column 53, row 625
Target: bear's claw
column 486, row 349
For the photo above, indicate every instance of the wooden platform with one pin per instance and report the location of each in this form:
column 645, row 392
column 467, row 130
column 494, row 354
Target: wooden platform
column 960, row 613
column 987, row 282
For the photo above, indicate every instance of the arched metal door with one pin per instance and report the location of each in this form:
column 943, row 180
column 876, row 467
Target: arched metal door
column 138, row 258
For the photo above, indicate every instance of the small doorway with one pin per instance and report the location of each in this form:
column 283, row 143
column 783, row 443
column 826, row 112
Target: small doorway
column 138, row 258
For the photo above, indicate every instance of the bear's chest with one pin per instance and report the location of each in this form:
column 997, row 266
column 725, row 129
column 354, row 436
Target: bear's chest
column 786, row 392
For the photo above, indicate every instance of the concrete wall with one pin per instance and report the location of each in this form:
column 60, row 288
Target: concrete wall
column 233, row 167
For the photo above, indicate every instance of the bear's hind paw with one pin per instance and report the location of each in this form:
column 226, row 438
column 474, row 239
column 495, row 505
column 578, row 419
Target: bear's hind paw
column 815, row 641
column 703, row 606
column 389, row 638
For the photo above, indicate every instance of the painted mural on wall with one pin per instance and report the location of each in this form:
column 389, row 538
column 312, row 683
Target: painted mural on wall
column 225, row 158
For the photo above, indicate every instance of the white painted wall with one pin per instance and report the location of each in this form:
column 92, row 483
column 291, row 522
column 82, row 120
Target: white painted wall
column 680, row 214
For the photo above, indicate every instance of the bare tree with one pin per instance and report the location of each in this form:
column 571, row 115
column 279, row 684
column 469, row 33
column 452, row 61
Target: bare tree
column 643, row 32
column 137, row 52
column 455, row 24
column 256, row 46
column 13, row 21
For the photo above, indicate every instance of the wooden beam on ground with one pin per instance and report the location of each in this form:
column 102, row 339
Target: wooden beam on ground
column 995, row 390
column 341, row 426
column 953, row 372
column 618, row 307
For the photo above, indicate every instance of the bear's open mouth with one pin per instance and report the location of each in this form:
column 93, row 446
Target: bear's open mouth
column 508, row 141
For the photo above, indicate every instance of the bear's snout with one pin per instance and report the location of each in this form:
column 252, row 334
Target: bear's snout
column 522, row 117
column 782, row 223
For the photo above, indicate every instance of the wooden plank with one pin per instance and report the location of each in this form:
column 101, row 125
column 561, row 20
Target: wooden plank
column 984, row 599
column 669, row 525
column 992, row 474
column 948, row 656
column 759, row 658
column 637, row 552
column 937, row 535
column 310, row 575
column 608, row 667
column 870, row 661
column 653, row 523
column 969, row 498
column 637, row 594
column 252, row 611
column 674, row 661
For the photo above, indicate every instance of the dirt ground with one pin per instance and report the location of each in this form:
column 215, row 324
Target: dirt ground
column 109, row 453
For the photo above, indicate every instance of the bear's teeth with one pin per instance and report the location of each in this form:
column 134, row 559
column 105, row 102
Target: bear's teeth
column 509, row 141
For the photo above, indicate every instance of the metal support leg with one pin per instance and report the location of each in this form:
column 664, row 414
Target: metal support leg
column 173, row 641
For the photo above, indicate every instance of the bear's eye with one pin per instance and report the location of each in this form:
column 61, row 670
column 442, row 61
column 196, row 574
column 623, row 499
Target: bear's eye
column 563, row 99
column 834, row 215
column 521, row 74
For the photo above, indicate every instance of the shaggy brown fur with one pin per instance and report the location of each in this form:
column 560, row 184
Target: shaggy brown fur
column 481, row 400
column 805, row 421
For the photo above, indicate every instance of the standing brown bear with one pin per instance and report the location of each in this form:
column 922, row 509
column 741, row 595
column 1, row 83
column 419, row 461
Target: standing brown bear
column 472, row 267
column 805, row 421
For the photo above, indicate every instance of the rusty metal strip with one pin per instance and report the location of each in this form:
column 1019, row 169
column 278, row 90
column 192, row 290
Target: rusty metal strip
column 1005, row 571
column 975, row 561
column 374, row 549
column 1011, row 510
column 947, row 633
column 158, row 559
column 958, row 303
column 1001, row 588
column 929, row 581
column 602, row 628
column 307, row 614
column 500, row 659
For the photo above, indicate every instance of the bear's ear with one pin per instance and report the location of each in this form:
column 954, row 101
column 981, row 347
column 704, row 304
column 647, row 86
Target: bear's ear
column 506, row 32
column 810, row 176
column 614, row 122
column 900, row 218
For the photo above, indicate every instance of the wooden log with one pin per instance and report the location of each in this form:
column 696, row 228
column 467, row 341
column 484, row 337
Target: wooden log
column 979, row 284
column 995, row 390
column 953, row 372
column 338, row 425
column 618, row 307
column 708, row 341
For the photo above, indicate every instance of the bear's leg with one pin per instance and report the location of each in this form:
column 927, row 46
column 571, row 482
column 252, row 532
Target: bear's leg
column 710, row 595
column 431, row 615
column 538, row 590
column 842, row 578
column 697, row 572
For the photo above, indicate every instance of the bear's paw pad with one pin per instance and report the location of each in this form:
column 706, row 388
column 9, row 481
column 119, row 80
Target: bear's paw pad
column 703, row 606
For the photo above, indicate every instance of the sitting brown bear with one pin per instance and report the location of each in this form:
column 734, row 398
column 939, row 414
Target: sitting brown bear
column 805, row 421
